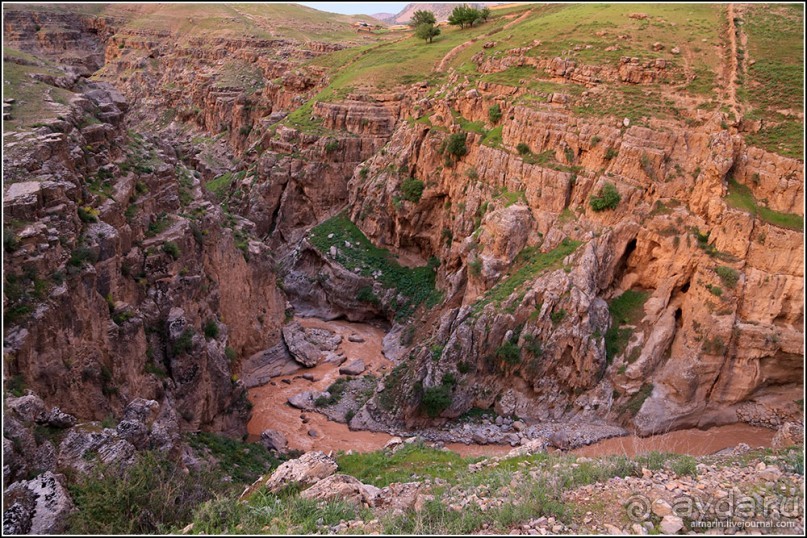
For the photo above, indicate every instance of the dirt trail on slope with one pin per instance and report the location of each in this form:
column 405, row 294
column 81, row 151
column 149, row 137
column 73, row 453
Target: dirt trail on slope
column 731, row 83
column 450, row 55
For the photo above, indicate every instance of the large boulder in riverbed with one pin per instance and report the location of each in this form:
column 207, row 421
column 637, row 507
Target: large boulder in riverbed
column 38, row 506
column 307, row 470
column 354, row 367
column 308, row 346
column 305, row 400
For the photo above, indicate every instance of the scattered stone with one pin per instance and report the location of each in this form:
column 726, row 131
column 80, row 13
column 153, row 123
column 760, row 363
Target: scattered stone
column 661, row 508
column 626, row 122
column 355, row 338
column 308, row 377
column 274, row 440
column 313, row 433
column 489, row 45
column 657, row 46
column 675, row 50
column 671, row 524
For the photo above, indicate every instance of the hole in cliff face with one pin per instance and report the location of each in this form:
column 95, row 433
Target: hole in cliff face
column 684, row 288
column 622, row 265
column 679, row 318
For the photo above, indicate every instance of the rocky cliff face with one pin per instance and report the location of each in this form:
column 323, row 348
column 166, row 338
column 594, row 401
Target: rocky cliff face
column 122, row 281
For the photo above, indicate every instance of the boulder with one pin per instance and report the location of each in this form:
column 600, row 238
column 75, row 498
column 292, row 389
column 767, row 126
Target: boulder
column 305, row 400
column 789, row 433
column 303, row 351
column 354, row 367
column 274, row 440
column 56, row 418
column 398, row 496
column 38, row 506
column 671, row 524
column 343, row 488
column 28, row 407
column 308, row 469
column 533, row 446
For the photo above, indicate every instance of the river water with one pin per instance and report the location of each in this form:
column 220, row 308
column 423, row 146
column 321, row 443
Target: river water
column 271, row 411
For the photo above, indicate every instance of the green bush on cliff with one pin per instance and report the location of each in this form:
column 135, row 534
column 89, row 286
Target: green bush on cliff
column 412, row 189
column 608, row 198
column 436, row 400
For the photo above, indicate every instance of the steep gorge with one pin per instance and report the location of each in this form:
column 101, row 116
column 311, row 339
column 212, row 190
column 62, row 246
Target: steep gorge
column 169, row 211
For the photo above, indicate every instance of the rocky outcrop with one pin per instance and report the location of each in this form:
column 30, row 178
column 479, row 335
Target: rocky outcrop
column 37, row 506
column 342, row 488
column 306, row 470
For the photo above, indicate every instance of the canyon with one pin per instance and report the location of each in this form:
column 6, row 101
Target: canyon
column 240, row 219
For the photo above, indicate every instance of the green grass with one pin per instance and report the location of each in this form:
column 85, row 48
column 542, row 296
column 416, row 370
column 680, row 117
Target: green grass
column 625, row 310
column 220, row 185
column 416, row 285
column 407, row 464
column 528, row 265
column 776, row 80
column 493, row 138
column 740, row 197
column 243, row 462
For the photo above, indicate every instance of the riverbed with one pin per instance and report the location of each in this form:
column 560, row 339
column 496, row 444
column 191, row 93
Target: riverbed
column 309, row 430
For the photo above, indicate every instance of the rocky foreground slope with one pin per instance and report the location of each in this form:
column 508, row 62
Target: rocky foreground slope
column 175, row 191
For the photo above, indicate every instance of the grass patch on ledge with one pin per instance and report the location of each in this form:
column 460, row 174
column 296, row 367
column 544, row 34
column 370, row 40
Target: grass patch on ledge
column 740, row 197
column 416, row 284
column 625, row 310
column 531, row 262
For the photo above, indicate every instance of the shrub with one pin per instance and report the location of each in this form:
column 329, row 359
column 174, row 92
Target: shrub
column 463, row 367
column 455, row 145
column 184, row 343
column 608, row 198
column 509, row 353
column 436, row 400
column 230, row 353
column 523, row 149
column 172, row 249
column 367, row 295
column 87, row 214
column 10, row 241
column 728, row 276
column 610, row 153
column 331, row 145
column 412, row 189
column 211, row 329
column 363, row 172
column 495, row 113
column 557, row 316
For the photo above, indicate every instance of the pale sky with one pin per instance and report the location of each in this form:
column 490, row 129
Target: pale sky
column 357, row 8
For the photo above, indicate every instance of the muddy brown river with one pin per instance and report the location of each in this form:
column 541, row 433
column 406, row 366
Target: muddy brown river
column 271, row 411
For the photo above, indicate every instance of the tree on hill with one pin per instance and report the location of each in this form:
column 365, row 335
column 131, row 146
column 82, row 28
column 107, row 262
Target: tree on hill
column 427, row 31
column 422, row 17
column 466, row 15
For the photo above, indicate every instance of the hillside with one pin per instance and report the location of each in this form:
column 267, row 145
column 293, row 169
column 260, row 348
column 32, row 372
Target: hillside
column 236, row 235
